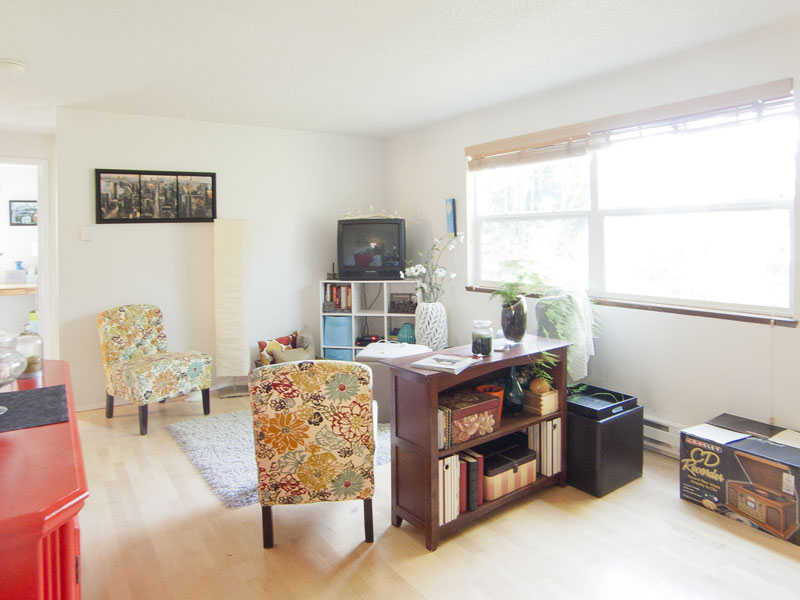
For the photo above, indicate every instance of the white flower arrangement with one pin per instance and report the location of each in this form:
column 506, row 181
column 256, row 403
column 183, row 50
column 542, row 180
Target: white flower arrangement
column 428, row 274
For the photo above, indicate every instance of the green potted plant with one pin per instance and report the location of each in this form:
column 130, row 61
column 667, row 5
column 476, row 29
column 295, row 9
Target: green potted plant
column 514, row 310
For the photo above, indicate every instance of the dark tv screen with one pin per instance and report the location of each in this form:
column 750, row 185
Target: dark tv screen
column 371, row 248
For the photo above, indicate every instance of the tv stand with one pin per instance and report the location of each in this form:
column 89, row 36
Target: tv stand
column 414, row 423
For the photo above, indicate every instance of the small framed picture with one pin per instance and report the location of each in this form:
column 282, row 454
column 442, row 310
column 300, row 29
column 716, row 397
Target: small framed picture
column 450, row 213
column 128, row 196
column 23, row 212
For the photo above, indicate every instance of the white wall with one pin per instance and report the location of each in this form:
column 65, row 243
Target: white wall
column 291, row 186
column 684, row 369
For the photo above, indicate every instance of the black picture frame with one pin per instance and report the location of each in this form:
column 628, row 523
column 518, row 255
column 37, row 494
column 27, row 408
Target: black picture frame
column 133, row 196
column 23, row 213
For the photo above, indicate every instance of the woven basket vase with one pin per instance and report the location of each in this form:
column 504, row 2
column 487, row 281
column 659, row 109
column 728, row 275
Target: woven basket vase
column 430, row 325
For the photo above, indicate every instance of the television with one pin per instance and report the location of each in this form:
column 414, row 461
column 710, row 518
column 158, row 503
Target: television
column 371, row 248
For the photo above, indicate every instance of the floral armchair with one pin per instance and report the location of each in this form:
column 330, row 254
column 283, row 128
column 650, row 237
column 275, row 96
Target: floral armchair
column 137, row 366
column 314, row 436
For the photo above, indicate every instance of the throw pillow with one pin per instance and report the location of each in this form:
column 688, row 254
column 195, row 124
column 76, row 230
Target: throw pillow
column 266, row 348
column 282, row 356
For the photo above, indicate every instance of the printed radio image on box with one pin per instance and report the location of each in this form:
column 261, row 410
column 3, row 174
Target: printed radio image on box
column 745, row 470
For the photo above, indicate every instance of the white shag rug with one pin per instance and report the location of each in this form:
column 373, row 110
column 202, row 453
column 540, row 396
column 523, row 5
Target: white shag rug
column 221, row 448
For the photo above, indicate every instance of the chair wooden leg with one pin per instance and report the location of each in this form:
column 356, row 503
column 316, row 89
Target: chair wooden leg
column 143, row 419
column 109, row 406
column 206, row 401
column 266, row 525
column 368, row 535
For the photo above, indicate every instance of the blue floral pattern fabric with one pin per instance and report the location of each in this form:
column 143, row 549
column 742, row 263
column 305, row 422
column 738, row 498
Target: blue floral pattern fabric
column 313, row 429
column 137, row 366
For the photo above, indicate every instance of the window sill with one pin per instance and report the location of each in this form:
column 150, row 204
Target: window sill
column 679, row 310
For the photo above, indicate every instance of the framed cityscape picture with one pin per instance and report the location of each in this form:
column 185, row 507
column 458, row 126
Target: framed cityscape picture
column 22, row 212
column 129, row 196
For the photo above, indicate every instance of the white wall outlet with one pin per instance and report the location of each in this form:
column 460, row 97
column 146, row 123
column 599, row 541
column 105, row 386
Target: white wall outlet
column 87, row 234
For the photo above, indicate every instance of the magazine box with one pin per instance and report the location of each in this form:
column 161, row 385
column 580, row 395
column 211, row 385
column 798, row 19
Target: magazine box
column 468, row 414
column 508, row 465
column 746, row 470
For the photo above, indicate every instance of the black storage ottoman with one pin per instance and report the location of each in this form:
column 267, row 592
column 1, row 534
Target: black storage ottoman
column 605, row 454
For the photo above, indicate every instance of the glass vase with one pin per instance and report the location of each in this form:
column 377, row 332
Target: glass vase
column 513, row 395
column 514, row 320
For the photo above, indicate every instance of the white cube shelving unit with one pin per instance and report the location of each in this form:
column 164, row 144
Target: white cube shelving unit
column 363, row 309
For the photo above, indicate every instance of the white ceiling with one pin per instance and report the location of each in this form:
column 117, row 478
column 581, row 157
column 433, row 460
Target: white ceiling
column 367, row 67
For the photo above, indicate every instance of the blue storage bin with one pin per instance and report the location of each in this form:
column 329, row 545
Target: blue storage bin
column 337, row 331
column 338, row 354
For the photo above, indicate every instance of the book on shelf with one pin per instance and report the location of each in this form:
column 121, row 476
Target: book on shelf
column 338, row 297
column 478, row 473
column 462, row 485
column 545, row 438
column 469, row 487
column 445, row 362
column 449, row 473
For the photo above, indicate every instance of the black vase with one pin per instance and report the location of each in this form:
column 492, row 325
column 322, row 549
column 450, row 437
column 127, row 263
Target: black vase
column 513, row 394
column 514, row 320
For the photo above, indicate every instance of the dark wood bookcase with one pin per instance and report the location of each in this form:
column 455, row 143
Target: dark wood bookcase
column 414, row 423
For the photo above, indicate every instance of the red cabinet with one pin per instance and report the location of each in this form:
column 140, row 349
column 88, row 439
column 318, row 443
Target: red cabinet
column 42, row 489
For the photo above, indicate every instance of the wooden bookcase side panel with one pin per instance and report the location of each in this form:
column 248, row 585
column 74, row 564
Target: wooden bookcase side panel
column 413, row 467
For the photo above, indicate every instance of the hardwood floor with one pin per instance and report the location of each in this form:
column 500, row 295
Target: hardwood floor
column 152, row 529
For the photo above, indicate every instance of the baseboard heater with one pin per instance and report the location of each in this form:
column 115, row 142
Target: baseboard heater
column 662, row 436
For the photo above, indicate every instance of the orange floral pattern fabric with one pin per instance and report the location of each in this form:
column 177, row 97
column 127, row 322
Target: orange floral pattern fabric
column 313, row 429
column 136, row 363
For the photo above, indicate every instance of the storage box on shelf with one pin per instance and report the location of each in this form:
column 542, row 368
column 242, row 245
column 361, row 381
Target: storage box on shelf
column 352, row 309
column 416, row 456
column 467, row 414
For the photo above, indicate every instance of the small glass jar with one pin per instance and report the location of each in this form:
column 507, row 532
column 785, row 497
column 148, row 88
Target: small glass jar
column 482, row 334
column 29, row 344
column 12, row 363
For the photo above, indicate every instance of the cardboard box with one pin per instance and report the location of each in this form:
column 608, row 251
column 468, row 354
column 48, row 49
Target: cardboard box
column 746, row 470
column 468, row 414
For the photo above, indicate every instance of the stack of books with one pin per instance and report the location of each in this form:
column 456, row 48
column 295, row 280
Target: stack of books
column 461, row 484
column 545, row 438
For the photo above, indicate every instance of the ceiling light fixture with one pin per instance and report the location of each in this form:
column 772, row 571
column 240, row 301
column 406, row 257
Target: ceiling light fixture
column 12, row 66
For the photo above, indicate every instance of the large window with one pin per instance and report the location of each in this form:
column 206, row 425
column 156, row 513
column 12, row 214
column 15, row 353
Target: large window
column 691, row 209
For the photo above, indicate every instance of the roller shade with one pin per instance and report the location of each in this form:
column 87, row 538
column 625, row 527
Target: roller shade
column 740, row 106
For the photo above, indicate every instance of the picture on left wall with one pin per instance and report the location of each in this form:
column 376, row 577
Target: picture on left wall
column 22, row 212
column 128, row 196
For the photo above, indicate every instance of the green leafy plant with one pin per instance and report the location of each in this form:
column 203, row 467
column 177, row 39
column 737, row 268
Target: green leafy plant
column 541, row 368
column 525, row 280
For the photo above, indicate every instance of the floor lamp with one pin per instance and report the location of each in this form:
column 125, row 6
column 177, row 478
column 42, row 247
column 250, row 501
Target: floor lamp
column 230, row 303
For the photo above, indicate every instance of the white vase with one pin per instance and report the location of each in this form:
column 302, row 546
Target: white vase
column 430, row 325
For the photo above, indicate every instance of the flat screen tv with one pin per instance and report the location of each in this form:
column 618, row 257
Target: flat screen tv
column 371, row 248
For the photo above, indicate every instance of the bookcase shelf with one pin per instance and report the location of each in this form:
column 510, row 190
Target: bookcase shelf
column 507, row 425
column 362, row 308
column 414, row 426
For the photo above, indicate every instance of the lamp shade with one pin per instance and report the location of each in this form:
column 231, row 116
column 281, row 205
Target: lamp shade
column 230, row 297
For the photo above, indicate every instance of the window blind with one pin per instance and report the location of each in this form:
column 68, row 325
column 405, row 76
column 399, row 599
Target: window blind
column 720, row 110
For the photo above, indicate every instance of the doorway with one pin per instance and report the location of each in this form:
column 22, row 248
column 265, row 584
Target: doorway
column 25, row 296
